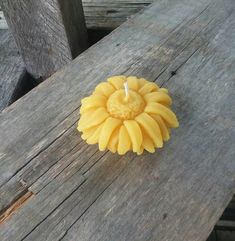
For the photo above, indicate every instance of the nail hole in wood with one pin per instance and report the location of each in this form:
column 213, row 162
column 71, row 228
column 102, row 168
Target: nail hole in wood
column 164, row 216
column 173, row 72
column 111, row 11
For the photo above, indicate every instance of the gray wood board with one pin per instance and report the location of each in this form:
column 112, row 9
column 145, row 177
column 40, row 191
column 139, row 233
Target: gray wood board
column 176, row 194
column 103, row 14
column 3, row 23
column 12, row 69
column 48, row 33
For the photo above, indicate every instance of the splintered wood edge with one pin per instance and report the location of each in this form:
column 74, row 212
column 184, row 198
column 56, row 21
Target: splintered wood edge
column 15, row 206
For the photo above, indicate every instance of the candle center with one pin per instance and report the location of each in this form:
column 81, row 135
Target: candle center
column 123, row 109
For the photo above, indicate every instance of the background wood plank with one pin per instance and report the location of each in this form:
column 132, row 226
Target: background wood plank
column 56, row 114
column 103, row 14
column 48, row 33
column 12, row 71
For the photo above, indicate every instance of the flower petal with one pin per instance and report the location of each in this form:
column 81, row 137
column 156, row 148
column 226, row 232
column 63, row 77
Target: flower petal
column 88, row 133
column 132, row 82
column 109, row 126
column 117, row 81
column 94, row 138
column 162, row 125
column 92, row 102
column 148, row 144
column 151, row 128
column 148, row 87
column 164, row 112
column 124, row 143
column 164, row 90
column 104, row 88
column 142, row 82
column 113, row 141
column 160, row 97
column 135, row 134
column 94, row 119
column 140, row 151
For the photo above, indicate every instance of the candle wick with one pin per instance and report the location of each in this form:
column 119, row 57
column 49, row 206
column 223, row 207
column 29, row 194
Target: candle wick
column 126, row 87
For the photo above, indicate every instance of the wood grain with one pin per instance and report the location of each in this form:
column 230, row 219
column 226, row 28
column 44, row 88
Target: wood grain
column 48, row 33
column 12, row 71
column 176, row 194
column 103, row 14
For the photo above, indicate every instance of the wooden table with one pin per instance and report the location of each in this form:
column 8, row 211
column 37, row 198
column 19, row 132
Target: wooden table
column 55, row 187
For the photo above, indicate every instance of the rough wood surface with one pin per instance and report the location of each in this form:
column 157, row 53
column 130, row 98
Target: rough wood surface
column 82, row 194
column 12, row 71
column 48, row 33
column 103, row 14
column 3, row 24
column 225, row 235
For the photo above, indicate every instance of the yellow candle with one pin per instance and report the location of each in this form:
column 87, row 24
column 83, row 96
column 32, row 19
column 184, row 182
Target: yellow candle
column 127, row 114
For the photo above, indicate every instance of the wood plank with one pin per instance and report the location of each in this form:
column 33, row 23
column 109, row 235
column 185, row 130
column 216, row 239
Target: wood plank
column 212, row 236
column 55, row 122
column 12, row 71
column 103, row 14
column 3, row 23
column 226, row 225
column 166, row 188
column 225, row 235
column 49, row 34
column 170, row 196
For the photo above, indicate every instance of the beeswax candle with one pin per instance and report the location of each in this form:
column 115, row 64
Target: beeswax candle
column 127, row 113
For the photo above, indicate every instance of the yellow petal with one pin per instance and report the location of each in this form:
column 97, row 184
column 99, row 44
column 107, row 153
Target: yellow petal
column 109, row 126
column 104, row 88
column 142, row 82
column 135, row 134
column 94, row 138
column 164, row 112
column 148, row 144
column 117, row 81
column 151, row 127
column 113, row 141
column 162, row 125
column 159, row 97
column 92, row 102
column 85, row 116
column 132, row 82
column 147, row 88
column 124, row 143
column 140, row 151
column 94, row 119
column 164, row 90
column 89, row 132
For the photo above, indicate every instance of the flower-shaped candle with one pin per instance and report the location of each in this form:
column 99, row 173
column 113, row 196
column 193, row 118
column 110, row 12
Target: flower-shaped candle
column 127, row 113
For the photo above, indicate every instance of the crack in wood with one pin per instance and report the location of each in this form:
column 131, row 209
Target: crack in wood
column 15, row 206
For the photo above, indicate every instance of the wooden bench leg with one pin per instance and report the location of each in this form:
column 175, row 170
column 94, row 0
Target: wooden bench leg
column 49, row 33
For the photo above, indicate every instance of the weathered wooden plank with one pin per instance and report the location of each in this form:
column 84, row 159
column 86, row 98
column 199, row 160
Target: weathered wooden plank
column 55, row 119
column 103, row 14
column 3, row 24
column 187, row 42
column 48, row 33
column 12, row 71
column 178, row 196
column 225, row 235
column 212, row 236
column 226, row 225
